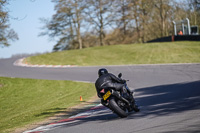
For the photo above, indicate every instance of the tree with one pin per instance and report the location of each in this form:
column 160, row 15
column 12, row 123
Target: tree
column 122, row 10
column 79, row 23
column 100, row 15
column 65, row 24
column 194, row 11
column 163, row 7
column 6, row 34
column 135, row 9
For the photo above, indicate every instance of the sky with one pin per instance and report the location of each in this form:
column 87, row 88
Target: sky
column 28, row 27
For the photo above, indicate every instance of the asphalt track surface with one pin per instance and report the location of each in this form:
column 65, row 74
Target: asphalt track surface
column 169, row 96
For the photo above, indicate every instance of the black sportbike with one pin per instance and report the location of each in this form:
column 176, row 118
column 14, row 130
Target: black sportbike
column 119, row 102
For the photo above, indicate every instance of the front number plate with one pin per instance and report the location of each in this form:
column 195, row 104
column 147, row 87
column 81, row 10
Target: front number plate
column 107, row 95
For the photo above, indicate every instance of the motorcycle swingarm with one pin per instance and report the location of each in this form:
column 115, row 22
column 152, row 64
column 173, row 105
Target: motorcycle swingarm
column 121, row 98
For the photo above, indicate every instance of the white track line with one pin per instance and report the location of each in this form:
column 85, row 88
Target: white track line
column 19, row 62
column 91, row 112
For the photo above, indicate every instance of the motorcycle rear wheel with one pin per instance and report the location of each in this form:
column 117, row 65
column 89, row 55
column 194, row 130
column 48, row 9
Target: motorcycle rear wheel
column 114, row 106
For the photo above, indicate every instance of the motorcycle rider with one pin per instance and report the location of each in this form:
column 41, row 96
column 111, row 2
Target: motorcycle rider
column 108, row 80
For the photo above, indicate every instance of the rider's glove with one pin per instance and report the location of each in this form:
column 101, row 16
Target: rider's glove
column 123, row 81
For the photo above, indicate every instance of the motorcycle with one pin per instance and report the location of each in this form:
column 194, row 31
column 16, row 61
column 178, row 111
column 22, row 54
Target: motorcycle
column 118, row 101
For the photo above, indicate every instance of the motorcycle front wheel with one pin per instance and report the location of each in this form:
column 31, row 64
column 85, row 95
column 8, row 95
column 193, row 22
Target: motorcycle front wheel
column 114, row 106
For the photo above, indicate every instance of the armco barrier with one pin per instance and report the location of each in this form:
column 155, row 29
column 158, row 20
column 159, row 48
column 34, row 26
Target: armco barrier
column 187, row 38
column 177, row 38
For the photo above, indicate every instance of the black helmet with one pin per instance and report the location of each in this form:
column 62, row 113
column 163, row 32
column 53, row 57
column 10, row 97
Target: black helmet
column 102, row 71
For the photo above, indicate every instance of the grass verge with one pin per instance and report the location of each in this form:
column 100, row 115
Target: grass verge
column 149, row 53
column 24, row 101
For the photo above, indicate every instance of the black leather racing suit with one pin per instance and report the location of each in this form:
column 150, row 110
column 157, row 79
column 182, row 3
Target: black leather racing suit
column 108, row 81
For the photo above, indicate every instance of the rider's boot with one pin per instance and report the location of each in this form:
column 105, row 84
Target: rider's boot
column 104, row 103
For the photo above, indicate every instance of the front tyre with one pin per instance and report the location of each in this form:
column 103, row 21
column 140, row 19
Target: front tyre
column 136, row 107
column 114, row 106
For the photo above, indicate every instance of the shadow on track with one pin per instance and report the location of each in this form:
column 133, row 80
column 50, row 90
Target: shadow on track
column 167, row 99
column 155, row 101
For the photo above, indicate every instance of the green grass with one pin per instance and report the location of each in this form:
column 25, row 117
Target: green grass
column 149, row 53
column 24, row 101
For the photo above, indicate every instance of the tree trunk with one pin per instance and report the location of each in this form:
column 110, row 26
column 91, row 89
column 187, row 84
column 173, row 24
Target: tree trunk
column 101, row 36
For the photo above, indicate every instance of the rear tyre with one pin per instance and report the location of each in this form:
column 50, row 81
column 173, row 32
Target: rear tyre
column 120, row 112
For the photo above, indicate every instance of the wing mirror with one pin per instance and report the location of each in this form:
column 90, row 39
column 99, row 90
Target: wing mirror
column 120, row 75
